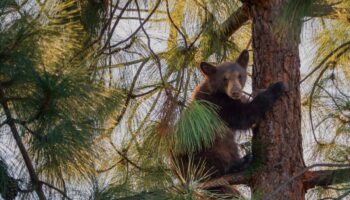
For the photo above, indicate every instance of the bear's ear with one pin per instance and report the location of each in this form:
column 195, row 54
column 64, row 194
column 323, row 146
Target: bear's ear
column 208, row 69
column 243, row 59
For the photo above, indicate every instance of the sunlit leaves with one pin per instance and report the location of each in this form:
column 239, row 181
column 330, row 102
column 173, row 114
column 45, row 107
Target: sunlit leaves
column 62, row 33
column 328, row 99
column 180, row 58
column 70, row 117
column 67, row 110
column 60, row 110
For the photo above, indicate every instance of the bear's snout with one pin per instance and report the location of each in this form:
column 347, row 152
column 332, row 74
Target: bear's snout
column 236, row 94
column 234, row 89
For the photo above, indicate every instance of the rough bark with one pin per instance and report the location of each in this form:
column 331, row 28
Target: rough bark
column 277, row 141
column 279, row 171
column 241, row 16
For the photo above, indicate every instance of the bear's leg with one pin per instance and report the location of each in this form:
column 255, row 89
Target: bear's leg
column 242, row 164
column 252, row 112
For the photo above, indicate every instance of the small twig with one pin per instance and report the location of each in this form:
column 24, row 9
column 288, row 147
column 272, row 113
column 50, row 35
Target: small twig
column 55, row 188
column 133, row 96
column 325, row 60
column 142, row 10
column 195, row 39
column 16, row 135
column 124, row 157
column 313, row 91
column 173, row 23
column 330, row 95
column 142, row 23
column 129, row 95
column 116, row 50
column 104, row 28
column 107, row 169
column 154, row 55
column 339, row 90
column 249, row 43
column 110, row 34
column 343, row 195
column 150, row 20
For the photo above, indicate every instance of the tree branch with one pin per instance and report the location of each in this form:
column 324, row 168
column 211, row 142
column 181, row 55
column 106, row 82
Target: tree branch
column 142, row 23
column 124, row 156
column 321, row 10
column 231, row 179
column 142, row 10
column 33, row 176
column 129, row 95
column 235, row 21
column 57, row 189
column 301, row 175
column 241, row 16
column 153, row 54
column 324, row 178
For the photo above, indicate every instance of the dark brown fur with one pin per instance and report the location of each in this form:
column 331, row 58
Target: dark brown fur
column 223, row 87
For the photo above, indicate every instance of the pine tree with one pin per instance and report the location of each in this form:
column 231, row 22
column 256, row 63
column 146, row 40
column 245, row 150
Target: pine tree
column 96, row 97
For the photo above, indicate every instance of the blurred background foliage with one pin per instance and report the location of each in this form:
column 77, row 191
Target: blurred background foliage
column 99, row 91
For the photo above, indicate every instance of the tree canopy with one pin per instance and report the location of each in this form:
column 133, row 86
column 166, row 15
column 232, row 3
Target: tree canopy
column 96, row 94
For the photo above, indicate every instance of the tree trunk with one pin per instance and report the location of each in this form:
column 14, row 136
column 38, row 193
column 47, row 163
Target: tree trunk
column 277, row 141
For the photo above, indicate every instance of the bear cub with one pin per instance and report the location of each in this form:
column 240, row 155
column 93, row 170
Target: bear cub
column 223, row 86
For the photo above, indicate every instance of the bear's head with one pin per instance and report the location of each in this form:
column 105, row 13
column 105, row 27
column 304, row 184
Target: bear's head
column 228, row 78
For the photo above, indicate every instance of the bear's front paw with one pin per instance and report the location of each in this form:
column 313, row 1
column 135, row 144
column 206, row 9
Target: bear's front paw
column 278, row 88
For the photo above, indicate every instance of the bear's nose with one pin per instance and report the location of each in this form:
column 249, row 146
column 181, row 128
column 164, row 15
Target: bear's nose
column 236, row 94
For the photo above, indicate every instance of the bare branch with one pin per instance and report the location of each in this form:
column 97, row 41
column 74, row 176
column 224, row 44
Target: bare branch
column 241, row 16
column 28, row 162
column 130, row 93
column 110, row 34
column 326, row 177
column 142, row 10
column 154, row 55
column 102, row 32
column 124, row 156
column 136, row 18
column 235, row 21
column 133, row 96
column 231, row 179
column 116, row 50
column 302, row 173
column 314, row 89
column 107, row 169
column 133, row 62
column 55, row 188
column 142, row 23
column 173, row 23
column 321, row 10
column 344, row 45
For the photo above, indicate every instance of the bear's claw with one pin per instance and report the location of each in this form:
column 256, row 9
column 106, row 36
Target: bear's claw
column 278, row 88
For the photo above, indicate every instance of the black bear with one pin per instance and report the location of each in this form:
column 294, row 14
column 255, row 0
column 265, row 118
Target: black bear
column 222, row 86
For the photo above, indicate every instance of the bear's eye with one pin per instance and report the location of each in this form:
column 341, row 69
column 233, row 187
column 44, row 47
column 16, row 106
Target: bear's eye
column 225, row 79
